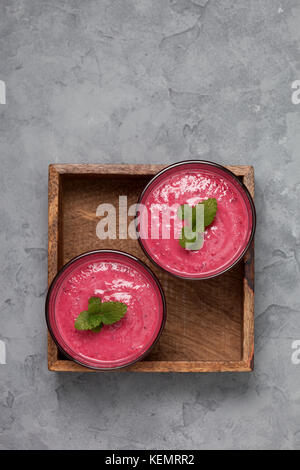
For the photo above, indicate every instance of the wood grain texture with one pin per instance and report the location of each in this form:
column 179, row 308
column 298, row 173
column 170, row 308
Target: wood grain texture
column 213, row 329
column 53, row 243
column 161, row 366
column 248, row 333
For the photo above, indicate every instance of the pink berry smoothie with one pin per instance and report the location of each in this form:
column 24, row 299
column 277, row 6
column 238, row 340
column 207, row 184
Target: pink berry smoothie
column 113, row 276
column 225, row 240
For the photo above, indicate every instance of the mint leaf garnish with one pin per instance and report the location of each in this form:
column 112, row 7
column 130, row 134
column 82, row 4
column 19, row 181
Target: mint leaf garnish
column 187, row 236
column 97, row 329
column 210, row 210
column 87, row 321
column 99, row 314
column 94, row 300
column 191, row 240
column 94, row 305
column 94, row 308
column 198, row 218
column 112, row 312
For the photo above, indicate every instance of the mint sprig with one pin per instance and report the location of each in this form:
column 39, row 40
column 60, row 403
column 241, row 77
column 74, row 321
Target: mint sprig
column 210, row 210
column 99, row 314
column 191, row 240
column 112, row 312
column 87, row 321
column 192, row 234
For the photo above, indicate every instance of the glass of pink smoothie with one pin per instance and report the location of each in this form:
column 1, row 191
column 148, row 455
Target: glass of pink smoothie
column 113, row 276
column 226, row 240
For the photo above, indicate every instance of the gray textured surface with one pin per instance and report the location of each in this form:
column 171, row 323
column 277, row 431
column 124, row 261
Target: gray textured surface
column 149, row 81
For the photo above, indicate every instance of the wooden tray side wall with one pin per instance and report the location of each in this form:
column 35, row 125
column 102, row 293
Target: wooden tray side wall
column 57, row 174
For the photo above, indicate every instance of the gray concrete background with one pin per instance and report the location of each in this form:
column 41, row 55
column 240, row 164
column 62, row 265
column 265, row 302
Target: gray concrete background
column 156, row 81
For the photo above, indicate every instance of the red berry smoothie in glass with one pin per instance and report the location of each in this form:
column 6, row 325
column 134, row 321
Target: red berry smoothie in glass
column 225, row 240
column 113, row 276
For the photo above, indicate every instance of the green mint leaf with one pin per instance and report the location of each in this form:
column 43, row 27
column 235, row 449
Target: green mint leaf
column 87, row 321
column 198, row 218
column 190, row 240
column 197, row 244
column 111, row 312
column 98, row 328
column 94, row 305
column 188, row 213
column 210, row 210
column 94, row 300
column 94, row 308
column 99, row 313
column 187, row 236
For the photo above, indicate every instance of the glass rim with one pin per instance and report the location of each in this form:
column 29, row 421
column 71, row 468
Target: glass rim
column 244, row 188
column 116, row 252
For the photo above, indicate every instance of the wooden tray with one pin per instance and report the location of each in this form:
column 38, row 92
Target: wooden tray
column 210, row 323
